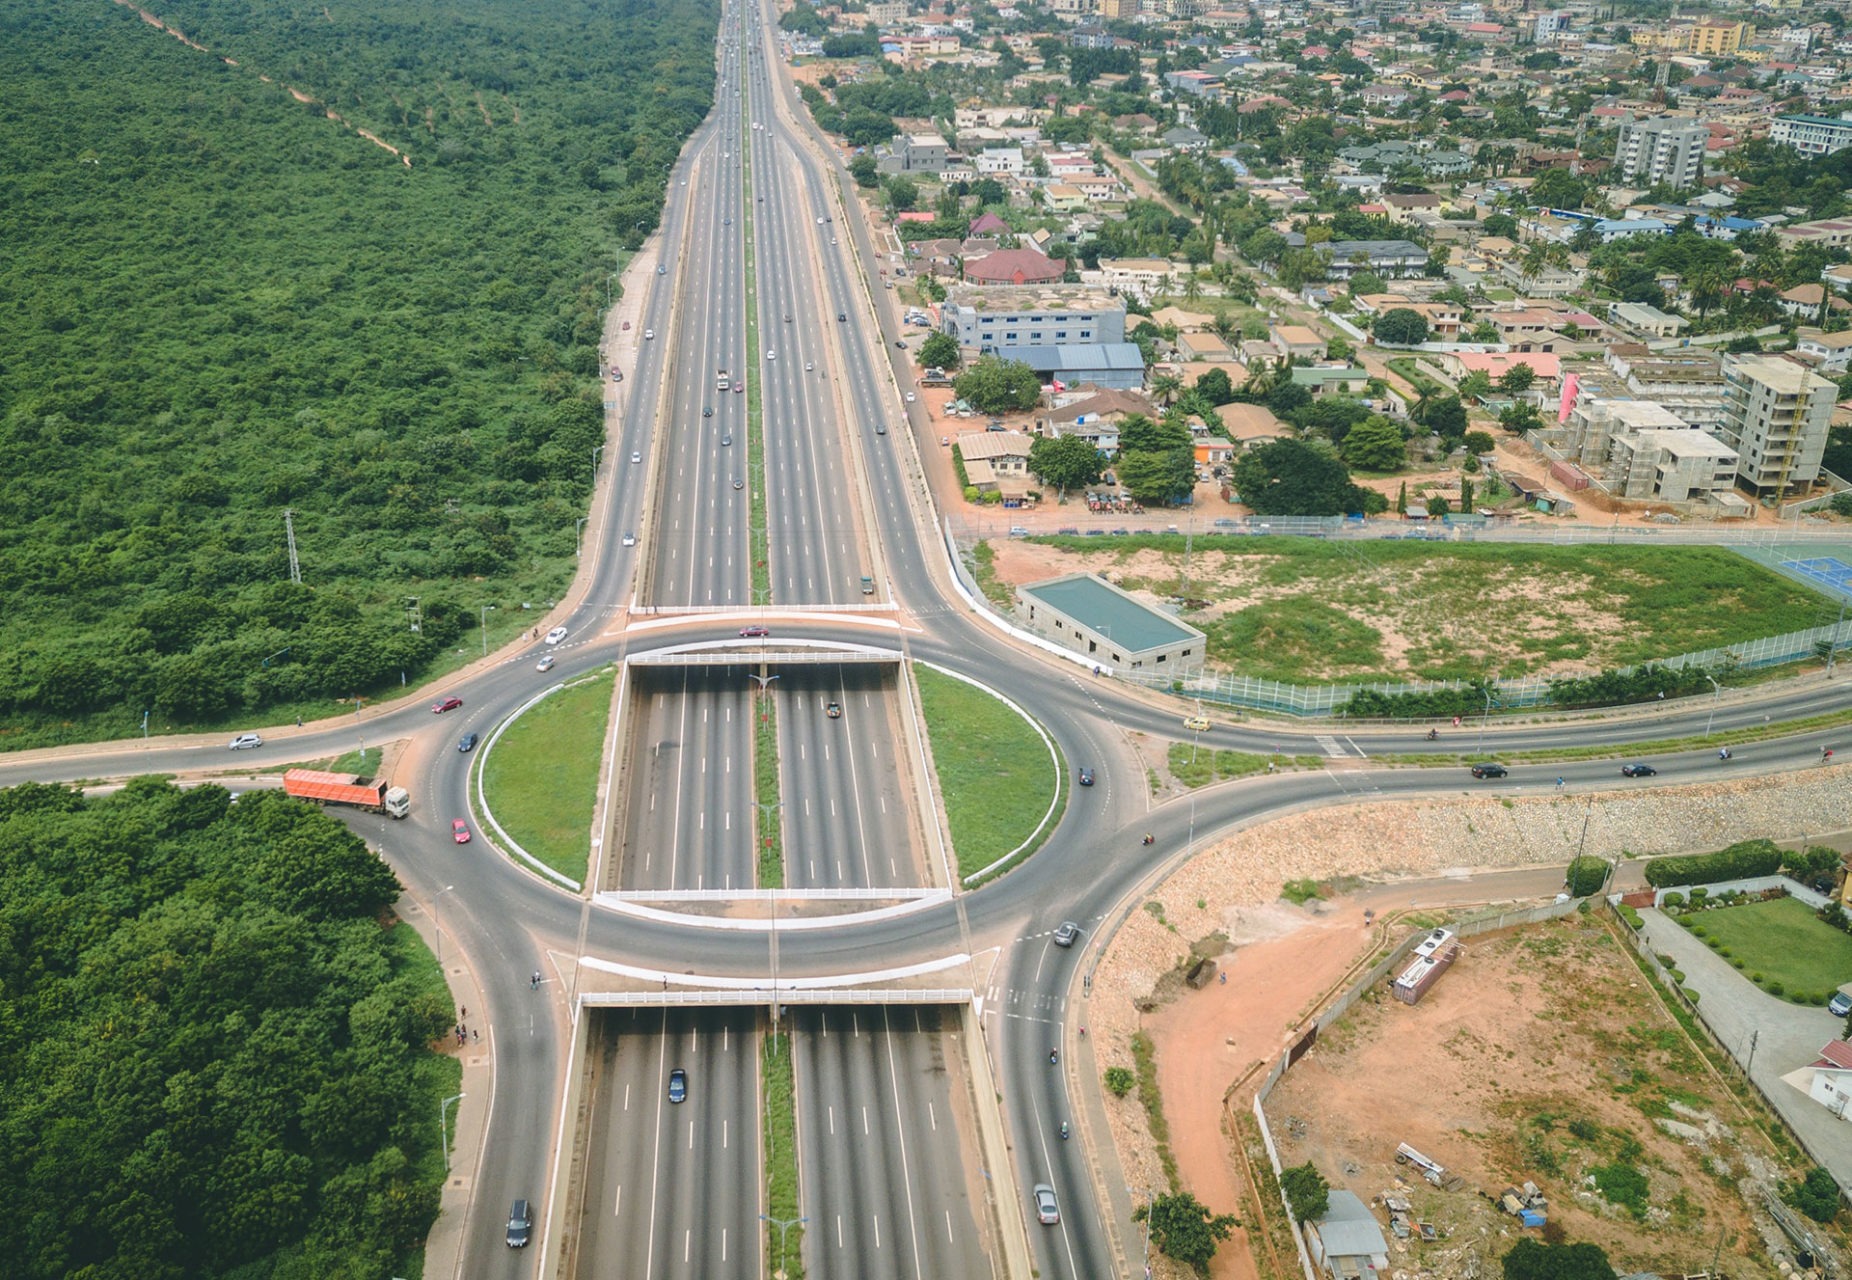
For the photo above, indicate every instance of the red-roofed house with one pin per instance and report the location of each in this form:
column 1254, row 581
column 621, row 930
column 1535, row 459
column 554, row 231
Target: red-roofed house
column 915, row 216
column 1547, row 365
column 1832, row 1077
column 989, row 224
column 1014, row 266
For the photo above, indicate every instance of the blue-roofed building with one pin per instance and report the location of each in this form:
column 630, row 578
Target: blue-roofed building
column 1087, row 614
column 1116, row 366
column 1729, row 227
column 1611, row 229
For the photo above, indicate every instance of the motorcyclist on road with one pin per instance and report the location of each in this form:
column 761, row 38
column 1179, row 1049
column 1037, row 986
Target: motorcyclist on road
column 1723, row 753
column 1149, row 838
column 1064, row 1130
column 1054, row 1056
column 1433, row 734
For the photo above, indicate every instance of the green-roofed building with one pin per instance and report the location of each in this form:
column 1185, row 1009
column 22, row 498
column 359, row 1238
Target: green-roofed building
column 1087, row 614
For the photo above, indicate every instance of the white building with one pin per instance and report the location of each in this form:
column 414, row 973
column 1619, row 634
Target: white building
column 1775, row 415
column 1832, row 1077
column 1832, row 350
column 1811, row 135
column 1141, row 278
column 1668, row 149
column 1005, row 160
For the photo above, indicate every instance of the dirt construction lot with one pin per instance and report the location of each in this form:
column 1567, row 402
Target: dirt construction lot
column 1542, row 1055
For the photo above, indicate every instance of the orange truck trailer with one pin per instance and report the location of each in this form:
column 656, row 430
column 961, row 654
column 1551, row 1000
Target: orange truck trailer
column 375, row 796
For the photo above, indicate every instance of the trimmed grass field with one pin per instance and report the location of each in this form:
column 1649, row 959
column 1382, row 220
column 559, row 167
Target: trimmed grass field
column 542, row 776
column 1310, row 610
column 1784, row 942
column 996, row 775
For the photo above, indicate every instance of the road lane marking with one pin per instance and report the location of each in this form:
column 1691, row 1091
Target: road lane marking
column 617, row 1209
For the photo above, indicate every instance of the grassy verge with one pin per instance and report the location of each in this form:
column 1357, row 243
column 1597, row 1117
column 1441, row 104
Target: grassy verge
column 1199, row 766
column 759, row 537
column 1144, row 1067
column 1649, row 747
column 1273, row 1220
column 1781, row 945
column 365, row 763
column 984, row 570
column 995, row 775
column 784, row 1249
column 765, row 791
column 435, row 1076
column 542, row 777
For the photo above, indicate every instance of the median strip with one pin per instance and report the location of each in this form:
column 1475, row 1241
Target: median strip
column 784, row 1231
column 759, row 536
column 765, row 792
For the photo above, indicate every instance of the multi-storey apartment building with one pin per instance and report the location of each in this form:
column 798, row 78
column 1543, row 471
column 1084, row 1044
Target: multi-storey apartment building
column 1775, row 415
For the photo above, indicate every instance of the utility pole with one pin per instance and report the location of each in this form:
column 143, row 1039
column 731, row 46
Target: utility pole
column 289, row 534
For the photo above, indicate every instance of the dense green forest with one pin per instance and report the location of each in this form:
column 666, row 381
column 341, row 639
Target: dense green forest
column 216, row 1042
column 217, row 303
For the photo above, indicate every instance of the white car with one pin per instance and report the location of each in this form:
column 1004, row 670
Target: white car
column 245, row 741
column 546, row 663
column 635, row 457
column 556, row 635
column 809, row 365
column 911, row 397
column 630, row 539
column 649, row 335
column 771, row 355
column 819, row 222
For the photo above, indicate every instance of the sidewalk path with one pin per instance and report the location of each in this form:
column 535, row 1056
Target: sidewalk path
column 1787, row 1037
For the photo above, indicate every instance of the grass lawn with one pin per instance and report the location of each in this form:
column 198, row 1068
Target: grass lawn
column 1199, row 766
column 542, row 777
column 1309, row 610
column 996, row 775
column 1783, row 942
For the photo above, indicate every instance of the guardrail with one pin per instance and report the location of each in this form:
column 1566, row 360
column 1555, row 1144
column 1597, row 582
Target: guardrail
column 780, row 995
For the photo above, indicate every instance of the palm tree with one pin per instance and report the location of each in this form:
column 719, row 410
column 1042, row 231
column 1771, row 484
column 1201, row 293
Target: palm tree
column 1192, row 287
column 1166, row 387
column 1224, row 327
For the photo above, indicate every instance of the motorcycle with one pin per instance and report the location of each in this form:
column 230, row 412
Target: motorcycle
column 1054, row 1056
column 1064, row 1131
column 1149, row 838
column 1723, row 753
column 1433, row 735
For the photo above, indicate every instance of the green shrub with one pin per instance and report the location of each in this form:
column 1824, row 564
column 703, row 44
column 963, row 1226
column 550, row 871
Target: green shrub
column 1816, row 1195
column 1673, row 900
column 1689, row 994
column 1119, row 1081
column 1586, row 876
column 1624, row 1185
column 1741, row 860
column 1308, row 1195
column 1776, row 988
column 1631, row 917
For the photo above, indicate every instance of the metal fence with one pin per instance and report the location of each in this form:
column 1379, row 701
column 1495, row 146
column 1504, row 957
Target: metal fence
column 1530, row 691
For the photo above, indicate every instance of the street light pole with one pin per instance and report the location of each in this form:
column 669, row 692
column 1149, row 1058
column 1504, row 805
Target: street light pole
column 482, row 625
column 438, row 925
column 443, row 1127
column 1485, row 718
column 783, row 1225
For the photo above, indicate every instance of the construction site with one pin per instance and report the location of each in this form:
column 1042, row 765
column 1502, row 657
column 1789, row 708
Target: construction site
column 1531, row 1082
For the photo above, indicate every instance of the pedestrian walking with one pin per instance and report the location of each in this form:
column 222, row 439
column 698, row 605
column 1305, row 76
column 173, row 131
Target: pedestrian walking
column 475, row 1035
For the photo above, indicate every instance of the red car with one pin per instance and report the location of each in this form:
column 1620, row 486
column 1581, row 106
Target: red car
column 755, row 631
column 448, row 704
column 459, row 831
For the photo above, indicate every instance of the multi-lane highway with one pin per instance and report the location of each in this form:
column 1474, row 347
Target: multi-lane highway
column 888, row 1171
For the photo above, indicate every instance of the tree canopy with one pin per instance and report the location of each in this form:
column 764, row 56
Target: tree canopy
column 1294, row 478
column 1400, row 327
column 216, row 1042
column 996, row 385
column 1531, row 1259
column 939, row 351
column 1184, row 1229
column 1067, row 462
column 223, row 304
